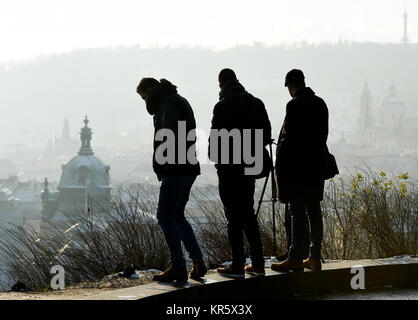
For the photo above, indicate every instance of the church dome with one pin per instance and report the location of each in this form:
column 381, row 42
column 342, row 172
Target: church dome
column 85, row 168
column 392, row 100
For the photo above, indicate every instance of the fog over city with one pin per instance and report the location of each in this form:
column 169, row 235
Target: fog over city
column 74, row 131
column 61, row 61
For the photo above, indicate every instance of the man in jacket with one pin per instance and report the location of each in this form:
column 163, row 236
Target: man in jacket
column 299, row 170
column 236, row 111
column 176, row 167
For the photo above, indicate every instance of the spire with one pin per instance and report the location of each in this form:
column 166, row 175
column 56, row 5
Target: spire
column 366, row 101
column 45, row 191
column 66, row 130
column 85, row 136
column 392, row 90
column 405, row 38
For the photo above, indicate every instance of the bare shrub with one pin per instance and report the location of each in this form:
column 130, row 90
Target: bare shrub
column 89, row 246
column 210, row 225
column 366, row 215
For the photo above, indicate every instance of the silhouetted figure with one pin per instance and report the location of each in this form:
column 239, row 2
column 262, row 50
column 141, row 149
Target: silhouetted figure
column 169, row 111
column 288, row 229
column 238, row 109
column 300, row 158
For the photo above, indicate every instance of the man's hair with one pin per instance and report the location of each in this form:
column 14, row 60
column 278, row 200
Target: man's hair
column 295, row 78
column 147, row 84
column 226, row 76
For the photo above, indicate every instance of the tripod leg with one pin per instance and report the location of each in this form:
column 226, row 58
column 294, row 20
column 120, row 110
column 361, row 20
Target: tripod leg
column 273, row 200
column 262, row 195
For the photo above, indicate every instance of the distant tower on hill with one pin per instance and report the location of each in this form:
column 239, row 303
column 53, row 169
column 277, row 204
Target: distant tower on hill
column 366, row 103
column 405, row 38
column 66, row 130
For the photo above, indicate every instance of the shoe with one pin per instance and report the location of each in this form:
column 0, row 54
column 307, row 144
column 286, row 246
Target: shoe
column 255, row 271
column 171, row 274
column 286, row 266
column 198, row 270
column 314, row 265
column 231, row 272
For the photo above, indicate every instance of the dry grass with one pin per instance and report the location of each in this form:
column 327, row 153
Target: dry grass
column 366, row 215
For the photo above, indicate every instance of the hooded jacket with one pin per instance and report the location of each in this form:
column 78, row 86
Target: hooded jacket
column 168, row 108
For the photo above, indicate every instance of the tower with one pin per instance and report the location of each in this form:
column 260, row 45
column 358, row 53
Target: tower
column 405, row 38
column 65, row 144
column 391, row 113
column 66, row 131
column 84, row 186
column 366, row 101
column 84, row 177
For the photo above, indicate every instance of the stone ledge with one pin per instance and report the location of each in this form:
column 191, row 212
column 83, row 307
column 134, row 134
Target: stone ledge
column 335, row 276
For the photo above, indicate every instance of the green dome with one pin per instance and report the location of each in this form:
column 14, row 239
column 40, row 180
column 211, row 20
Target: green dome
column 85, row 168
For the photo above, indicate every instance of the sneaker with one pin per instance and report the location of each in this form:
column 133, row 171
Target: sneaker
column 314, row 265
column 198, row 270
column 171, row 274
column 286, row 266
column 231, row 272
column 255, row 271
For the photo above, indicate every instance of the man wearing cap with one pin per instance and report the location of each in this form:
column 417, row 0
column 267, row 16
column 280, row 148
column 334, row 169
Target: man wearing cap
column 299, row 162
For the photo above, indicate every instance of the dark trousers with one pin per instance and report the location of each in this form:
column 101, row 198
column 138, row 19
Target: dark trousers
column 174, row 194
column 237, row 196
column 299, row 210
column 288, row 228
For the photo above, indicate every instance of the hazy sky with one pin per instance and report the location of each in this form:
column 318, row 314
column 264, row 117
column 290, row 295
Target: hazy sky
column 30, row 28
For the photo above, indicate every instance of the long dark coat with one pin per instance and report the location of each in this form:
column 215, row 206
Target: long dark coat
column 301, row 149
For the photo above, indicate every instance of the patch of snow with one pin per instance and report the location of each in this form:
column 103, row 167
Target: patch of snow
column 113, row 276
column 402, row 257
column 227, row 263
column 154, row 271
column 137, row 274
column 269, row 260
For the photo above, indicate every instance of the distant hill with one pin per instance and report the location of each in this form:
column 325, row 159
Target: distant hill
column 35, row 97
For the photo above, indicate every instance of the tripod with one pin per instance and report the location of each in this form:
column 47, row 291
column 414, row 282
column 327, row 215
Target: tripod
column 273, row 196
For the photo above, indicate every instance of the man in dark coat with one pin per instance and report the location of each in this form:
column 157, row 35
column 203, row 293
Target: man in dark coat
column 239, row 110
column 300, row 157
column 176, row 166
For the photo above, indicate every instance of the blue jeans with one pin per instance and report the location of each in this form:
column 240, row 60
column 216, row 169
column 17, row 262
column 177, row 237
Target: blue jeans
column 174, row 194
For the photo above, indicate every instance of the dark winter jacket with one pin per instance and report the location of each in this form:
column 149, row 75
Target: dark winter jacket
column 301, row 148
column 168, row 108
column 238, row 109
